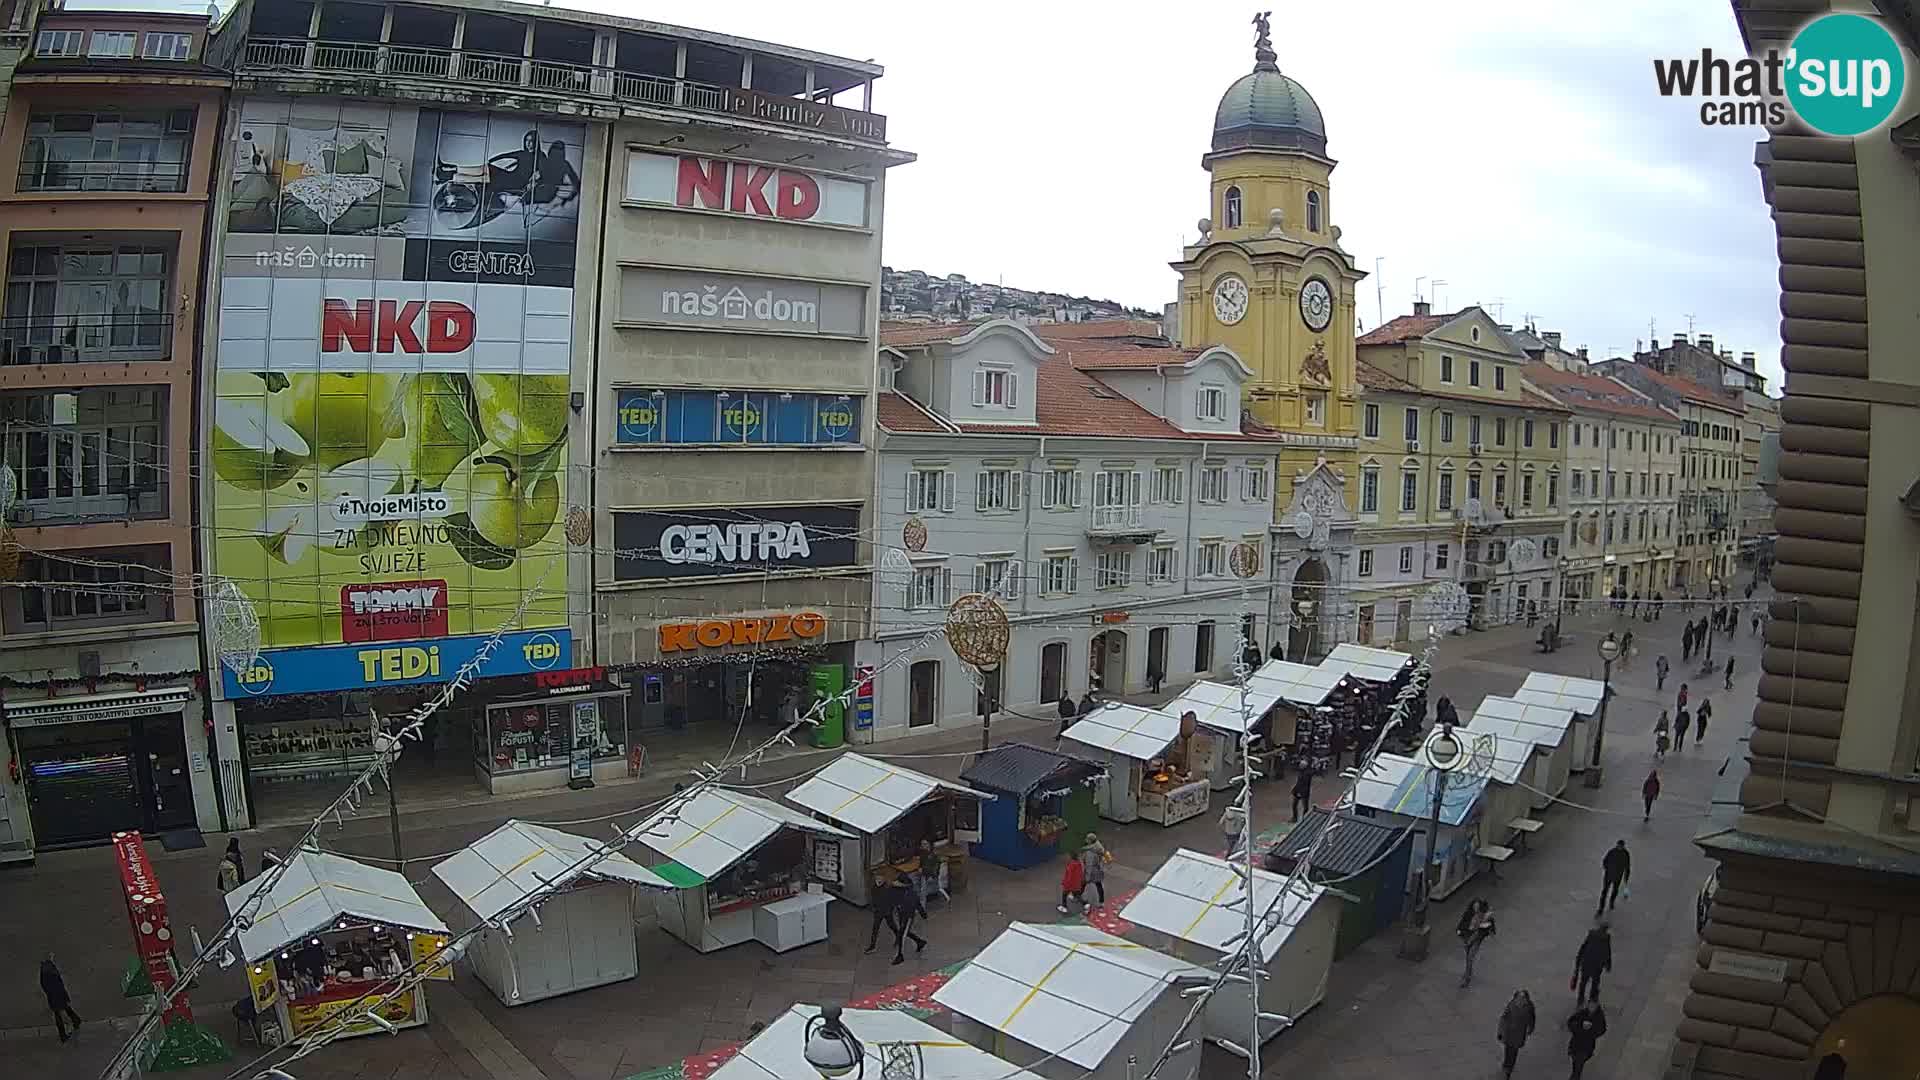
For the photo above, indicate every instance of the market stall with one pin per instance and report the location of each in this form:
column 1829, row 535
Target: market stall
column 899, row 819
column 1551, row 729
column 584, row 935
column 1198, row 901
column 332, row 936
column 1148, row 755
column 1510, row 756
column 1230, row 722
column 1579, row 696
column 1073, row 1001
column 1397, row 791
column 1380, row 666
column 1044, row 796
column 779, row 1051
column 744, row 869
column 1305, row 714
column 1365, row 859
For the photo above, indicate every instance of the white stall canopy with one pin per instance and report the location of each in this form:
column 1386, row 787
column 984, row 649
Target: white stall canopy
column 1547, row 725
column 779, row 1052
column 870, row 795
column 1299, row 683
column 1196, row 898
column 716, row 828
column 1217, row 705
column 316, row 891
column 519, row 857
column 1127, row 730
column 1561, row 691
column 1069, row 991
column 1401, row 785
column 1365, row 662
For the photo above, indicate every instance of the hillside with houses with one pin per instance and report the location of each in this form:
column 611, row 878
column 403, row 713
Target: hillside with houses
column 917, row 296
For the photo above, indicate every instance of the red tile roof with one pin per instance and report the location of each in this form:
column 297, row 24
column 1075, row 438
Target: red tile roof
column 909, row 334
column 1404, row 328
column 1375, row 379
column 1583, row 391
column 897, row 412
column 1097, row 328
column 1372, row 378
column 1105, row 355
column 1698, row 393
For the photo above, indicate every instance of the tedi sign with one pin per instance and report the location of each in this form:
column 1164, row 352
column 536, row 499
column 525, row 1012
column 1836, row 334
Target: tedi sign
column 746, row 188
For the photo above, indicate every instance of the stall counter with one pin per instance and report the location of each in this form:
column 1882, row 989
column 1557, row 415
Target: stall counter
column 1176, row 803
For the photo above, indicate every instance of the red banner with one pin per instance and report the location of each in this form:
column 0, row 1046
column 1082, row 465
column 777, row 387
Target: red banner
column 147, row 915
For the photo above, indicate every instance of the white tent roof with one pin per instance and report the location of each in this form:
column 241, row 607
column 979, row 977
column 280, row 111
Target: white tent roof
column 1400, row 785
column 779, row 1052
column 716, row 828
column 869, row 795
column 1299, row 683
column 1066, row 990
column 1188, row 897
column 1512, row 745
column 1217, row 705
column 1561, row 691
column 1373, row 665
column 519, row 857
column 1128, row 730
column 318, row 889
column 1549, row 724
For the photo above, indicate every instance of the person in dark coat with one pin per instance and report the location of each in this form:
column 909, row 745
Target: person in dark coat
column 1278, row 652
column 1681, row 721
column 1649, row 791
column 1616, row 869
column 1302, row 792
column 1476, row 926
column 885, row 898
column 58, row 1001
column 1584, row 1029
column 1594, row 959
column 908, row 906
column 1729, row 672
column 1446, row 713
column 1516, row 1025
column 239, row 860
column 1700, row 721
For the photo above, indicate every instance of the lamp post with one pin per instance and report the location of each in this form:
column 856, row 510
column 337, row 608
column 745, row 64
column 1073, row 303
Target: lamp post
column 1304, row 608
column 1714, row 585
column 1609, row 652
column 831, row 1048
column 1560, row 586
column 1443, row 754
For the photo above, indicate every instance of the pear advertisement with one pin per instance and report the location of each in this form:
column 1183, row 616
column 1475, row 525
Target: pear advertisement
column 389, row 440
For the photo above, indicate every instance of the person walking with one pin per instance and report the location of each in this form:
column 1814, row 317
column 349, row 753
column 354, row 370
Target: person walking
column 1594, row 959
column 1700, row 721
column 1446, row 713
column 1756, row 624
column 1626, row 650
column 1069, row 712
column 1476, row 926
column 1660, row 741
column 1233, row 822
column 1154, row 678
column 239, row 860
column 1650, row 791
column 1681, row 721
column 911, row 906
column 1659, row 603
column 1729, row 672
column 1616, row 869
column 229, row 875
column 1584, row 1029
column 58, row 1000
column 1686, row 643
column 1660, row 668
column 1303, row 782
column 1516, row 1026
column 1073, row 882
column 885, row 899
column 1682, row 697
column 1093, row 860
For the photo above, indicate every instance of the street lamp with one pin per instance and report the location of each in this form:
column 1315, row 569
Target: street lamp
column 1560, row 584
column 1304, row 608
column 1609, row 652
column 831, row 1048
column 1443, row 754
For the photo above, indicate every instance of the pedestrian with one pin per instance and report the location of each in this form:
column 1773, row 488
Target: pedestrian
column 1094, row 859
column 1516, row 1026
column 1733, row 622
column 1155, row 677
column 1660, row 668
column 229, row 875
column 1683, row 695
column 1069, row 712
column 1087, row 702
column 1476, row 926
column 1729, row 672
column 1649, row 791
column 1749, row 590
column 1682, row 721
column 239, row 860
column 1278, row 652
column 885, row 899
column 61, row 1004
column 911, row 906
column 1756, row 624
column 1446, row 713
column 1073, row 882
column 1233, row 823
column 1660, row 741
column 1626, row 649
column 1616, row 869
column 1303, row 784
column 1584, row 1029
column 1659, row 605
column 1594, row 959
column 1700, row 721
column 1250, row 656
column 1686, row 643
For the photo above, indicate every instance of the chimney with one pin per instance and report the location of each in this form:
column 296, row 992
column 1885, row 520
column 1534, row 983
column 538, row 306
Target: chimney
column 1552, row 338
column 1706, row 343
column 1422, row 307
column 1679, row 339
column 1583, row 354
column 1746, row 360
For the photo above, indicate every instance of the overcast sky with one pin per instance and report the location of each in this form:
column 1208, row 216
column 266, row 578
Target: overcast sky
column 1515, row 149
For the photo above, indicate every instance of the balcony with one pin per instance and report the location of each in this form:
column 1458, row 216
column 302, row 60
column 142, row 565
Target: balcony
column 135, row 176
column 1120, row 525
column 85, row 338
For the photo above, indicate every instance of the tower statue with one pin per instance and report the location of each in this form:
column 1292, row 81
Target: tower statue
column 1265, row 59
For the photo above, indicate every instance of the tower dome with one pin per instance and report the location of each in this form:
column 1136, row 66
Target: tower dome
column 1265, row 109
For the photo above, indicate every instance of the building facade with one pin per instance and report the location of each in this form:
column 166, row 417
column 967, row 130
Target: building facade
column 1623, row 465
column 1697, row 360
column 111, row 119
column 1100, row 493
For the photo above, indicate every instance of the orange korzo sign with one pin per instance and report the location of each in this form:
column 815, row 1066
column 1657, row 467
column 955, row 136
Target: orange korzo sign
column 719, row 633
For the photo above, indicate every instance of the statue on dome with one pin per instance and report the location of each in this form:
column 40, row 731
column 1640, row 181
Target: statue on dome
column 1263, row 41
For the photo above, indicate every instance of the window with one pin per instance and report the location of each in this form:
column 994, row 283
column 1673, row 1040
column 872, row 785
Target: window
column 1213, row 484
column 996, row 387
column 1442, row 555
column 1062, row 489
column 1446, row 368
column 1406, row 560
column 87, row 453
column 930, row 587
column 1212, row 404
column 1060, row 576
column 1163, row 564
column 1412, row 425
column 1526, row 489
column 929, row 490
column 1316, row 409
column 1446, row 427
column 1230, row 213
column 1576, row 434
column 1313, row 211
column 1369, row 491
column 1496, row 551
column 1499, row 431
column 1203, row 646
column 109, row 150
column 1370, row 421
column 1526, row 433
column 1169, row 484
column 1366, row 562
column 1473, row 373
column 112, row 44
column 997, row 576
column 1553, row 489
column 997, row 489
column 1610, row 486
column 1446, row 490
column 1550, row 547
column 1409, row 490
column 1610, row 518
column 1646, row 487
column 1473, row 483
column 1499, row 377
column 1473, row 430
column 1593, row 483
column 88, row 303
column 1669, row 483
column 53, row 43
column 1613, row 439
column 1553, row 436
column 1114, row 570
column 167, row 47
column 1210, row 559
column 92, row 588
column 1579, row 488
column 1499, row 489
column 1629, row 485
column 1253, row 483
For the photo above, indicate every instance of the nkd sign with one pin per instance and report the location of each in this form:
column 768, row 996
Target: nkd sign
column 734, row 302
column 745, row 188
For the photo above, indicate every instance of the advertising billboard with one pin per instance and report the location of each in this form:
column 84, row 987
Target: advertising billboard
column 736, row 418
column 656, row 544
column 710, row 301
column 391, row 392
column 746, row 189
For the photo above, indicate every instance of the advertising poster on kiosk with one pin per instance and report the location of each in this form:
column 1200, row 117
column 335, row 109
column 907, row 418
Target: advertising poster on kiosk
column 392, row 396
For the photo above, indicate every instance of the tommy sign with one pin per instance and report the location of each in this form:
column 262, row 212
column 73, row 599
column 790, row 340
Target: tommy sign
column 654, row 545
column 729, row 302
column 744, row 188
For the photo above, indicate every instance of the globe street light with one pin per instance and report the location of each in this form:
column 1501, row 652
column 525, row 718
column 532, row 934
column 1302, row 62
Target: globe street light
column 831, row 1048
column 1443, row 754
column 1305, row 610
column 1609, row 652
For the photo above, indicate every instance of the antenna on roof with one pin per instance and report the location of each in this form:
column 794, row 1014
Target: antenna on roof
column 1379, row 293
column 1437, row 282
column 1689, row 327
column 1416, row 287
column 1498, row 304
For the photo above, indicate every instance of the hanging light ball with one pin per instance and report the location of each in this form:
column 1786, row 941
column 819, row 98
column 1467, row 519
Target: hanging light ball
column 233, row 625
column 978, row 631
column 9, row 554
column 579, row 526
column 914, row 534
column 1244, row 560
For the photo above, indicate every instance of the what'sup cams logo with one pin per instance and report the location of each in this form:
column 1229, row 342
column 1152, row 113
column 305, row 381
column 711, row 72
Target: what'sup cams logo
column 1843, row 75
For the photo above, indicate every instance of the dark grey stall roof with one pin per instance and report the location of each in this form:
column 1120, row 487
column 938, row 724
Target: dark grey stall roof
column 1017, row 768
column 1349, row 849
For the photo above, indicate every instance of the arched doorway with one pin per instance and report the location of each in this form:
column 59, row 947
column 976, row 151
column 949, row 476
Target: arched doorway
column 1872, row 1037
column 1107, row 661
column 1053, row 672
column 923, row 693
column 1303, row 631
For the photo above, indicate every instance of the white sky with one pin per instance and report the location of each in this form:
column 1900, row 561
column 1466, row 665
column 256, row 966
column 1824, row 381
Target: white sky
column 1515, row 149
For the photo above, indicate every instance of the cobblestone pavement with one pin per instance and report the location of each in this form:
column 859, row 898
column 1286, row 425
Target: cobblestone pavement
column 1382, row 1017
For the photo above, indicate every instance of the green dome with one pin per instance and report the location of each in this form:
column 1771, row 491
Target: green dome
column 1266, row 109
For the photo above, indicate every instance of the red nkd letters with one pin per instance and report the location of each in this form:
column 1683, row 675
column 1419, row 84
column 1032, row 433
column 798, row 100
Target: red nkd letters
column 739, row 188
column 395, row 326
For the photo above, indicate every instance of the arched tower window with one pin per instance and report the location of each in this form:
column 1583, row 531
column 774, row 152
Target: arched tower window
column 1231, row 212
column 1313, row 211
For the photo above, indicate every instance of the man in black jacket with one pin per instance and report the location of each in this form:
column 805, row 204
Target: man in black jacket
column 1615, row 869
column 1594, row 959
column 908, row 905
column 55, row 988
column 885, row 898
column 1584, row 1029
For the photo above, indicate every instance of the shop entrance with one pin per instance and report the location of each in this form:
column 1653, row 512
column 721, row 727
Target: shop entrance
column 1107, row 661
column 923, row 693
column 1306, row 601
column 1157, row 652
column 85, row 781
column 1402, row 621
column 1053, row 672
column 298, row 751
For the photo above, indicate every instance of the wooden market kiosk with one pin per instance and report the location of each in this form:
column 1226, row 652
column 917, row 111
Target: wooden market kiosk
column 898, row 818
column 744, row 869
column 1579, row 696
column 1045, row 796
column 1147, row 754
column 331, row 935
column 1551, row 729
column 1398, row 791
column 581, row 936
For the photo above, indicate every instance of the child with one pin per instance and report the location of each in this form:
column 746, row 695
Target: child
column 1072, row 881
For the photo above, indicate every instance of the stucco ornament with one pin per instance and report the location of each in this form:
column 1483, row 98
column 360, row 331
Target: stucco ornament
column 1524, row 552
column 1314, row 364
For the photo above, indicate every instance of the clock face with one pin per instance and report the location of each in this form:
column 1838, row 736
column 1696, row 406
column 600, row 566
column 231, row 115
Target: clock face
column 1230, row 299
column 1316, row 304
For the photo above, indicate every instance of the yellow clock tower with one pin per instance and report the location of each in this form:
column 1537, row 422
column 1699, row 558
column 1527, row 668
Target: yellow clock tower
column 1268, row 277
